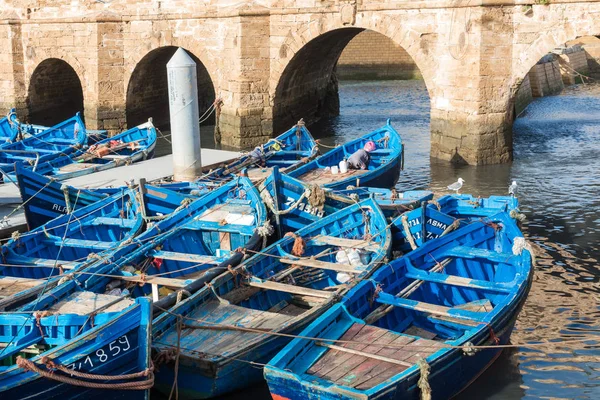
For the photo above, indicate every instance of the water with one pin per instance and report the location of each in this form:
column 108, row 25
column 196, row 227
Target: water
column 556, row 165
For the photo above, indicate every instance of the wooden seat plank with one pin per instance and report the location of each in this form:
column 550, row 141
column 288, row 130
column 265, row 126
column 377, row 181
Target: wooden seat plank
column 320, row 240
column 312, row 263
column 474, row 252
column 282, row 287
column 457, row 281
column 195, row 258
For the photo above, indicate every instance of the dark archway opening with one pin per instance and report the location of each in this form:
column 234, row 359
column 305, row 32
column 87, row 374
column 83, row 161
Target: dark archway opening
column 55, row 93
column 147, row 91
column 308, row 87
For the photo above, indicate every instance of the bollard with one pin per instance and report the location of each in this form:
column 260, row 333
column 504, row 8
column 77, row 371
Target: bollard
column 183, row 110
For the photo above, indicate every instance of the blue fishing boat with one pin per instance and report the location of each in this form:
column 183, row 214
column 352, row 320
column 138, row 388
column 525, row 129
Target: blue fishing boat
column 221, row 331
column 45, row 199
column 125, row 148
column 33, row 261
column 9, row 127
column 94, row 347
column 61, row 139
column 466, row 206
column 287, row 151
column 296, row 204
column 93, row 135
column 421, row 316
column 383, row 170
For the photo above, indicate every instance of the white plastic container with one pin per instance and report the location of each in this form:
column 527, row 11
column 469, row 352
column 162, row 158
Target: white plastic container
column 343, row 277
column 334, row 170
column 342, row 257
column 354, row 258
column 343, row 167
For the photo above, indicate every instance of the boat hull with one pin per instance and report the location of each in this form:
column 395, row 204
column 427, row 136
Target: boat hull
column 449, row 374
column 120, row 347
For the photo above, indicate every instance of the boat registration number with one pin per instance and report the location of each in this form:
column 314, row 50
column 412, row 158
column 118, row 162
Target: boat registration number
column 305, row 207
column 103, row 354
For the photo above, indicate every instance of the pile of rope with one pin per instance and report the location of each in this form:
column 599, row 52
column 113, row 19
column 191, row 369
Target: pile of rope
column 515, row 214
column 51, row 369
column 299, row 245
column 316, row 197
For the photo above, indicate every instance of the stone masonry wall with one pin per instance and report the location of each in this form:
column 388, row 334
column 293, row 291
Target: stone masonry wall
column 571, row 65
column 546, row 79
column 523, row 97
column 371, row 55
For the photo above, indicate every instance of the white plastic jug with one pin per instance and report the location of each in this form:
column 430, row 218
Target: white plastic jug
column 342, row 257
column 354, row 258
column 334, row 170
column 343, row 277
column 343, row 167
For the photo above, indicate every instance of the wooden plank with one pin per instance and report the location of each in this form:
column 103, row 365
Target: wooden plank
column 282, row 287
column 420, row 332
column 195, row 258
column 351, row 360
column 457, row 281
column 327, row 360
column 42, row 262
column 225, row 240
column 320, row 240
column 11, row 280
column 474, row 252
column 312, row 263
column 168, row 282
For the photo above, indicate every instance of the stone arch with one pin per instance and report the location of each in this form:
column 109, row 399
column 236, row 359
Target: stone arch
column 55, row 92
column 543, row 45
column 147, row 89
column 310, row 55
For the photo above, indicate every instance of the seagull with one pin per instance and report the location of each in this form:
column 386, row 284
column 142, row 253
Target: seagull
column 456, row 185
column 512, row 189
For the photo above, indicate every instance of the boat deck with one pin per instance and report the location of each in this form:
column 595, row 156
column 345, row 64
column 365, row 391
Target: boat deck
column 85, row 303
column 259, row 174
column 363, row 366
column 323, row 177
column 11, row 285
column 215, row 343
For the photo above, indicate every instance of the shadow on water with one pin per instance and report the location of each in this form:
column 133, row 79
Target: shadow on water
column 556, row 148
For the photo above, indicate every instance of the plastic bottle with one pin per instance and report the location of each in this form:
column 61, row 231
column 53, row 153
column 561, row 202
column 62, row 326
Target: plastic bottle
column 334, row 170
column 343, row 166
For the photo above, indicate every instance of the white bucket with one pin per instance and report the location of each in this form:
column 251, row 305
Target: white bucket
column 343, row 167
column 334, row 170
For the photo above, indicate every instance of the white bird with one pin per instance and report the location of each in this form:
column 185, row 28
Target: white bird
column 512, row 189
column 456, row 185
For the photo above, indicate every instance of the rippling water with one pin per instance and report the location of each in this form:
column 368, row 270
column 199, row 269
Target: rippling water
column 556, row 164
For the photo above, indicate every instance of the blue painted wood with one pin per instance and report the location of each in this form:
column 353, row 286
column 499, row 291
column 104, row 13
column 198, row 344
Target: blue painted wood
column 142, row 138
column 208, row 365
column 289, row 150
column 61, row 139
column 115, row 343
column 9, row 127
column 440, row 303
column 384, row 168
column 45, row 199
column 283, row 195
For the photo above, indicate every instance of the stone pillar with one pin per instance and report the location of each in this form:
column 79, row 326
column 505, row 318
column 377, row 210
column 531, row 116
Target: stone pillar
column 105, row 106
column 246, row 118
column 12, row 74
column 471, row 121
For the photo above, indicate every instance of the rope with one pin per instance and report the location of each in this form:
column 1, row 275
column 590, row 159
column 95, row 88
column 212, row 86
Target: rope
column 423, row 383
column 409, row 236
column 65, row 190
column 454, row 225
column 316, row 197
column 515, row 214
column 299, row 244
column 435, row 203
column 146, row 384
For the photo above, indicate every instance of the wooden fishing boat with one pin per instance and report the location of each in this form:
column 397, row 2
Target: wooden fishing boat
column 9, row 127
column 33, row 261
column 125, row 148
column 422, row 312
column 101, row 336
column 222, row 329
column 383, row 171
column 296, row 204
column 61, row 139
column 204, row 234
column 466, row 206
column 44, row 199
column 287, row 151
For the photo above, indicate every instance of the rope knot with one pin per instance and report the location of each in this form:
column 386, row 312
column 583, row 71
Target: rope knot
column 299, row 244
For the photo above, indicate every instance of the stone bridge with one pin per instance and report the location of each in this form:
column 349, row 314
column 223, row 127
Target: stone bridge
column 272, row 61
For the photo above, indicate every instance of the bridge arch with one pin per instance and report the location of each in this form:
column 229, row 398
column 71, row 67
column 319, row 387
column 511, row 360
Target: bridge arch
column 55, row 92
column 302, row 80
column 147, row 87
